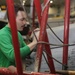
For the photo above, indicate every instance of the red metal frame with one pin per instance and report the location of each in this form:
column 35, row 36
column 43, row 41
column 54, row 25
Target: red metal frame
column 66, row 32
column 12, row 21
column 38, row 9
column 43, row 36
column 43, row 22
column 5, row 71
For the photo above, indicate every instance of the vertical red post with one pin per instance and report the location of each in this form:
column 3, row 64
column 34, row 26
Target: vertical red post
column 12, row 21
column 66, row 32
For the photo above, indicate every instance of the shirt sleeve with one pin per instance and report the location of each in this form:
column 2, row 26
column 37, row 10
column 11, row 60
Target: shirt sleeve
column 6, row 47
column 8, row 50
column 25, row 50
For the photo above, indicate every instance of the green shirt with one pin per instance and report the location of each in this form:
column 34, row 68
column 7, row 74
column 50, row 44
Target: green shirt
column 7, row 57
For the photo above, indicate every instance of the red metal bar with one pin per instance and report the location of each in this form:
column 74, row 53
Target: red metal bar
column 41, row 38
column 5, row 71
column 38, row 59
column 66, row 32
column 12, row 21
column 50, row 60
column 42, row 32
column 47, row 47
column 38, row 9
column 37, row 73
column 48, row 50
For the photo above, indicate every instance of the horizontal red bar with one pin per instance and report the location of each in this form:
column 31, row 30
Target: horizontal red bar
column 5, row 71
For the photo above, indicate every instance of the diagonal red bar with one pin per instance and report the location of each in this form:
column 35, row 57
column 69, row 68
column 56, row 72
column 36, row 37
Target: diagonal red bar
column 48, row 51
column 43, row 23
column 38, row 9
column 12, row 21
column 5, row 71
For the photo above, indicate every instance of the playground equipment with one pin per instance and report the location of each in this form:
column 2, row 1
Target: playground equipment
column 42, row 18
